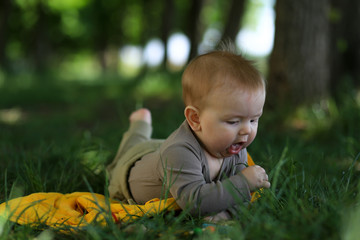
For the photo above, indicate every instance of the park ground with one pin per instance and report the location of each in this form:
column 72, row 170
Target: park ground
column 58, row 137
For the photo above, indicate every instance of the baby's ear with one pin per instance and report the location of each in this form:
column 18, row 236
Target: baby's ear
column 192, row 117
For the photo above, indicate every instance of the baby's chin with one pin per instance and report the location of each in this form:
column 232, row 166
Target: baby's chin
column 231, row 152
column 224, row 154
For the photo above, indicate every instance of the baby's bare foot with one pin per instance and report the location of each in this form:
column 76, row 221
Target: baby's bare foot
column 142, row 114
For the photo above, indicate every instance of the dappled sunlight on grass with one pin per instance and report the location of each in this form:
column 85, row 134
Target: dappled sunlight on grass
column 318, row 116
column 324, row 116
column 11, row 116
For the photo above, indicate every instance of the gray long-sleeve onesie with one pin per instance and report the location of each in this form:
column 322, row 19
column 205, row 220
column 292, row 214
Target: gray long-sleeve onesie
column 180, row 169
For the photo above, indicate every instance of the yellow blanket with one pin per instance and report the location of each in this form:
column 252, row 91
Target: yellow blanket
column 76, row 209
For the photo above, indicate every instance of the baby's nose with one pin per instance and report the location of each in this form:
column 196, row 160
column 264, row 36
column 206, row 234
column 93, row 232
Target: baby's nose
column 245, row 128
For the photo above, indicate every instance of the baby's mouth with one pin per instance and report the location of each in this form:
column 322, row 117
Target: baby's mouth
column 236, row 147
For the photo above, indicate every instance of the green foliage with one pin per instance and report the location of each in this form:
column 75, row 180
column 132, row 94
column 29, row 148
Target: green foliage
column 253, row 7
column 132, row 23
column 61, row 137
column 211, row 13
column 61, row 5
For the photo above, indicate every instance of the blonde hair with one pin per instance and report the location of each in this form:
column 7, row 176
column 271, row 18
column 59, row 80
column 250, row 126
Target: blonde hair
column 218, row 69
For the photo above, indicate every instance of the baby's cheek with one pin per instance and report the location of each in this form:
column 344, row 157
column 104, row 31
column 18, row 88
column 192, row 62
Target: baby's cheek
column 252, row 137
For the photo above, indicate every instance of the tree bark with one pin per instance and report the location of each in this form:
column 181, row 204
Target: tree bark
column 167, row 24
column 345, row 43
column 101, row 40
column 5, row 9
column 194, row 27
column 41, row 45
column 299, row 66
column 232, row 26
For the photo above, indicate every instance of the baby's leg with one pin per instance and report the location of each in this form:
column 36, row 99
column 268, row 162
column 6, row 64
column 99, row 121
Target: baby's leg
column 139, row 131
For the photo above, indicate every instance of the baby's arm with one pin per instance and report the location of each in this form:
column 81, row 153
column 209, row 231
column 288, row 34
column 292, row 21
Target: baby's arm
column 256, row 177
column 182, row 173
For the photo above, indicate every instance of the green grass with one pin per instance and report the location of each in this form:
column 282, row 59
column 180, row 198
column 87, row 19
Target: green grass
column 60, row 137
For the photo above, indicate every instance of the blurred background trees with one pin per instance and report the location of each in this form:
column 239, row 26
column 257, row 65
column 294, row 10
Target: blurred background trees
column 316, row 44
column 316, row 50
column 299, row 69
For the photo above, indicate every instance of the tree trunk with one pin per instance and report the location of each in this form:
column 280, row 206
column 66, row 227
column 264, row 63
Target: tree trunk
column 232, row 25
column 345, row 43
column 298, row 67
column 194, row 27
column 41, row 48
column 100, row 38
column 5, row 9
column 167, row 24
column 101, row 42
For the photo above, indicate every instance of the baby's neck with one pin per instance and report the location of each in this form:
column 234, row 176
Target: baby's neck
column 214, row 165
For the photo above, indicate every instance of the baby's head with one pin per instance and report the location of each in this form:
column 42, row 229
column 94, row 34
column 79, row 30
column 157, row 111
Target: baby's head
column 218, row 70
column 224, row 97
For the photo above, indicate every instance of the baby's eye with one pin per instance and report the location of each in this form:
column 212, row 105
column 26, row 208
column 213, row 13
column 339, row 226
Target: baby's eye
column 254, row 120
column 232, row 122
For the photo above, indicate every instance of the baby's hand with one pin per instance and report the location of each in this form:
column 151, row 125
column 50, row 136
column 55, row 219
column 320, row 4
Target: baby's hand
column 256, row 177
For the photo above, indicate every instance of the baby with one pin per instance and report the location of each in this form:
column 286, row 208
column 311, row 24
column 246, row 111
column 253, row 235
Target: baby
column 202, row 164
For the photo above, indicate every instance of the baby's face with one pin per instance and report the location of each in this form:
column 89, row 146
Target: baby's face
column 229, row 121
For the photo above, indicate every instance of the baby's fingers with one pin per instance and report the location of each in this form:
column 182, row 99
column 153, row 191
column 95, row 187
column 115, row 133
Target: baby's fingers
column 264, row 178
column 266, row 184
